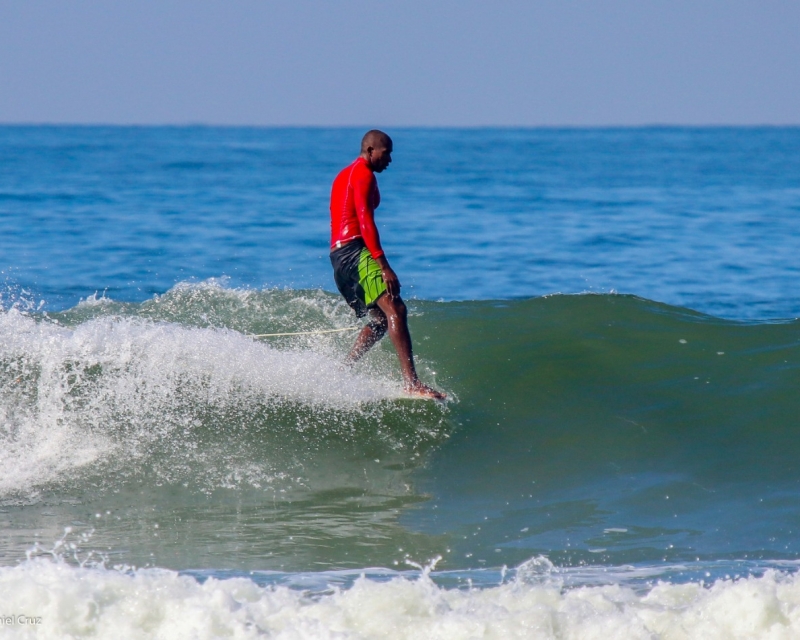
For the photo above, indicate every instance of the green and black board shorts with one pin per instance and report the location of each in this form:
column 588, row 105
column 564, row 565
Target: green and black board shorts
column 358, row 276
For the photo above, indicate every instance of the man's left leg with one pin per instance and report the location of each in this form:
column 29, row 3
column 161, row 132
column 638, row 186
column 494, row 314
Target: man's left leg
column 396, row 315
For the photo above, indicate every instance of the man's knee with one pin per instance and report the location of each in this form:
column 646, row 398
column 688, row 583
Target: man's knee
column 378, row 325
column 402, row 311
column 394, row 308
column 397, row 308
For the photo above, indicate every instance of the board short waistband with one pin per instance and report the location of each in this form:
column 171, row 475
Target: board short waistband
column 341, row 243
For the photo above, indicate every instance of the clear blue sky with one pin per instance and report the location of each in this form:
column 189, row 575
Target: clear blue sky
column 407, row 62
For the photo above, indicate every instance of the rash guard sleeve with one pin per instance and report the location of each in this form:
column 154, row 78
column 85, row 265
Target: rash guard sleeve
column 366, row 198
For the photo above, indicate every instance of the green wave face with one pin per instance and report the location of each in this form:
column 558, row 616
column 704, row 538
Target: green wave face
column 613, row 429
column 593, row 429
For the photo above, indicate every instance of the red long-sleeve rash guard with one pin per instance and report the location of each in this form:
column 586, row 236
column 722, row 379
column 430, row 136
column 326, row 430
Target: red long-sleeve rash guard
column 354, row 198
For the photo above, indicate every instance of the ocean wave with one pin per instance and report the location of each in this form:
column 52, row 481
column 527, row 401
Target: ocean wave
column 589, row 428
column 107, row 387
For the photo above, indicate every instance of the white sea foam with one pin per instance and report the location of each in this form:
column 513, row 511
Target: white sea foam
column 94, row 301
column 70, row 397
column 75, row 602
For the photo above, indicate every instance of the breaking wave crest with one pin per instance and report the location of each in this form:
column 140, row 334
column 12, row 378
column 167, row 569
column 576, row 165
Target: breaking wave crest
column 175, row 387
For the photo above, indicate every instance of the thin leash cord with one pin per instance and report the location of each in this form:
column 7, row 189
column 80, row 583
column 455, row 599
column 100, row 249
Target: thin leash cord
column 302, row 333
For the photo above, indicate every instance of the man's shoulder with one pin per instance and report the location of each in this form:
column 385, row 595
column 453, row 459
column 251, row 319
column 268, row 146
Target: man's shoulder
column 356, row 167
column 361, row 171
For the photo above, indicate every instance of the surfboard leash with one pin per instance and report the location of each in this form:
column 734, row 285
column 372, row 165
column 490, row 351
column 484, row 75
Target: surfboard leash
column 302, row 333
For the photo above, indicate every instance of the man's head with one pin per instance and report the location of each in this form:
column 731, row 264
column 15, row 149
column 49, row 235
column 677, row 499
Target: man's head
column 376, row 149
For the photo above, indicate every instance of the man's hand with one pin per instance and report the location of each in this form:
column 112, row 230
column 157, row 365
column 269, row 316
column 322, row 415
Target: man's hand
column 389, row 277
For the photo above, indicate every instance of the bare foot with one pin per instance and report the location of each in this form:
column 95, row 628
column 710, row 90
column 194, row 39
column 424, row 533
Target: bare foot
column 419, row 389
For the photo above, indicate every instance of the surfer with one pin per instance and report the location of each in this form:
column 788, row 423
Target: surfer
column 360, row 268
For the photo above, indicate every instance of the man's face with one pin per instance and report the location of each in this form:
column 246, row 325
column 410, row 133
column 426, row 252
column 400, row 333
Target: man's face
column 381, row 157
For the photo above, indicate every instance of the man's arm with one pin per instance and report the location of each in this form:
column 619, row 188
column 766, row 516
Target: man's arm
column 362, row 192
column 363, row 186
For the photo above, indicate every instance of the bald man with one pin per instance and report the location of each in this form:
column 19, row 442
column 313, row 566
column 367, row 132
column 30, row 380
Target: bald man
column 360, row 268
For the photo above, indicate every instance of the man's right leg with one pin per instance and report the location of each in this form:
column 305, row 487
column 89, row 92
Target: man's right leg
column 372, row 332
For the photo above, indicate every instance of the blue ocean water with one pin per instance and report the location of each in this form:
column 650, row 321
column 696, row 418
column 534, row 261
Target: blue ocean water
column 701, row 218
column 611, row 311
